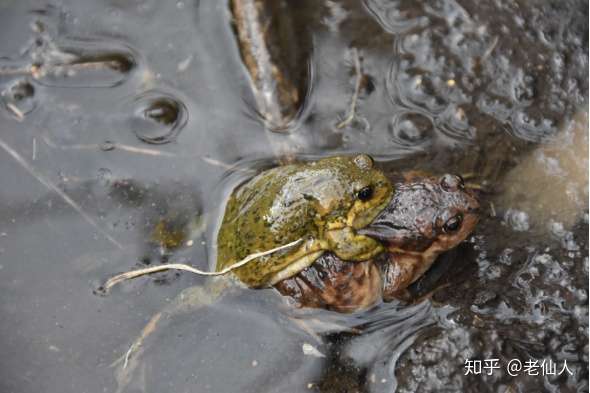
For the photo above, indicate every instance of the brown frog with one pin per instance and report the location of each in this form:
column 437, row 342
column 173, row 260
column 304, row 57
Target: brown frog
column 425, row 217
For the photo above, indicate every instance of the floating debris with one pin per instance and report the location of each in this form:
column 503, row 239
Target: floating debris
column 273, row 53
column 310, row 350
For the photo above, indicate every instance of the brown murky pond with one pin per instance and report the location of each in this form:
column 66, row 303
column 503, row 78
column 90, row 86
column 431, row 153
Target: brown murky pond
column 116, row 116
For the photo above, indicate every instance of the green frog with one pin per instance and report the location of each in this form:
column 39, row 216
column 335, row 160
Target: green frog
column 322, row 202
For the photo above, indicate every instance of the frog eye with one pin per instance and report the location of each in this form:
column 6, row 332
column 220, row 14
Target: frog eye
column 365, row 193
column 453, row 224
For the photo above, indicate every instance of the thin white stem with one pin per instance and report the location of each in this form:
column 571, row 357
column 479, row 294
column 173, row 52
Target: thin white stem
column 357, row 87
column 18, row 114
column 180, row 266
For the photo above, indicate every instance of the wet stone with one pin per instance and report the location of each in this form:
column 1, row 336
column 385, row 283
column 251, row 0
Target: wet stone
column 484, row 297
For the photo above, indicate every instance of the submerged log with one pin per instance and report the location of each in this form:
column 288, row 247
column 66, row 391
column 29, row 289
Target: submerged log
column 276, row 56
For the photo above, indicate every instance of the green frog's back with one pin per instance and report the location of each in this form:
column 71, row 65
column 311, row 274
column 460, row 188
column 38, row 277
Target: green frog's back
column 287, row 203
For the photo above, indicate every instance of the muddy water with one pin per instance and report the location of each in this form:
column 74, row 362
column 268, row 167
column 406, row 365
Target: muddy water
column 116, row 117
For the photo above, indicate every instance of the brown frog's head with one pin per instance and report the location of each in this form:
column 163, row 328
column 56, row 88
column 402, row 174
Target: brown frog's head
column 425, row 217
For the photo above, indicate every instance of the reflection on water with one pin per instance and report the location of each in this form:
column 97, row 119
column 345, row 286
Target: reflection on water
column 118, row 119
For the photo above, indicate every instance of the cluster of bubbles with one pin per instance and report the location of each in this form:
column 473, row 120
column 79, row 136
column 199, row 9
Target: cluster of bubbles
column 530, row 303
column 458, row 68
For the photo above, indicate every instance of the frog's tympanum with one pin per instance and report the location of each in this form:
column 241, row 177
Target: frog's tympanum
column 425, row 217
column 324, row 202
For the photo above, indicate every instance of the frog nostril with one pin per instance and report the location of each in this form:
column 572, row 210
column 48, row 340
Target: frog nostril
column 452, row 183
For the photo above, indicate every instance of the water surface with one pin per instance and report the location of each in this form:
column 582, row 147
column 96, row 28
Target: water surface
column 118, row 116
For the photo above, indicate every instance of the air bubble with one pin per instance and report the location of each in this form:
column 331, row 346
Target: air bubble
column 158, row 118
column 19, row 97
column 411, row 129
column 107, row 146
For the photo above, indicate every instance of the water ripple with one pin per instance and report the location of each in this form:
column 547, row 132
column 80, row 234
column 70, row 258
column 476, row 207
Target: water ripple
column 386, row 335
column 394, row 16
column 412, row 131
column 450, row 64
column 18, row 98
column 158, row 117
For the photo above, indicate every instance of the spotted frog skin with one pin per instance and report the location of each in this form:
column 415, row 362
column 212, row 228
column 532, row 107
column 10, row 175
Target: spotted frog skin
column 324, row 202
column 425, row 217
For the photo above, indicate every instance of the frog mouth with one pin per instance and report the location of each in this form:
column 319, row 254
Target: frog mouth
column 394, row 237
column 400, row 238
column 384, row 231
column 425, row 211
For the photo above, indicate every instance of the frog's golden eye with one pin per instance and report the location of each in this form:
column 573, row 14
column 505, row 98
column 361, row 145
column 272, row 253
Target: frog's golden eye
column 365, row 193
column 453, row 224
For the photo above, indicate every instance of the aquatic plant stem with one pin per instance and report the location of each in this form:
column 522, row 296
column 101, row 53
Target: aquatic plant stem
column 357, row 87
column 180, row 266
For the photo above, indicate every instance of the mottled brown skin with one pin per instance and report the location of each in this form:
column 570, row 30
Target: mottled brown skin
column 334, row 284
column 425, row 217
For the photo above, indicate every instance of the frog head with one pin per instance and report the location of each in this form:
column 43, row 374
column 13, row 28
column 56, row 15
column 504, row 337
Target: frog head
column 365, row 192
column 425, row 217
